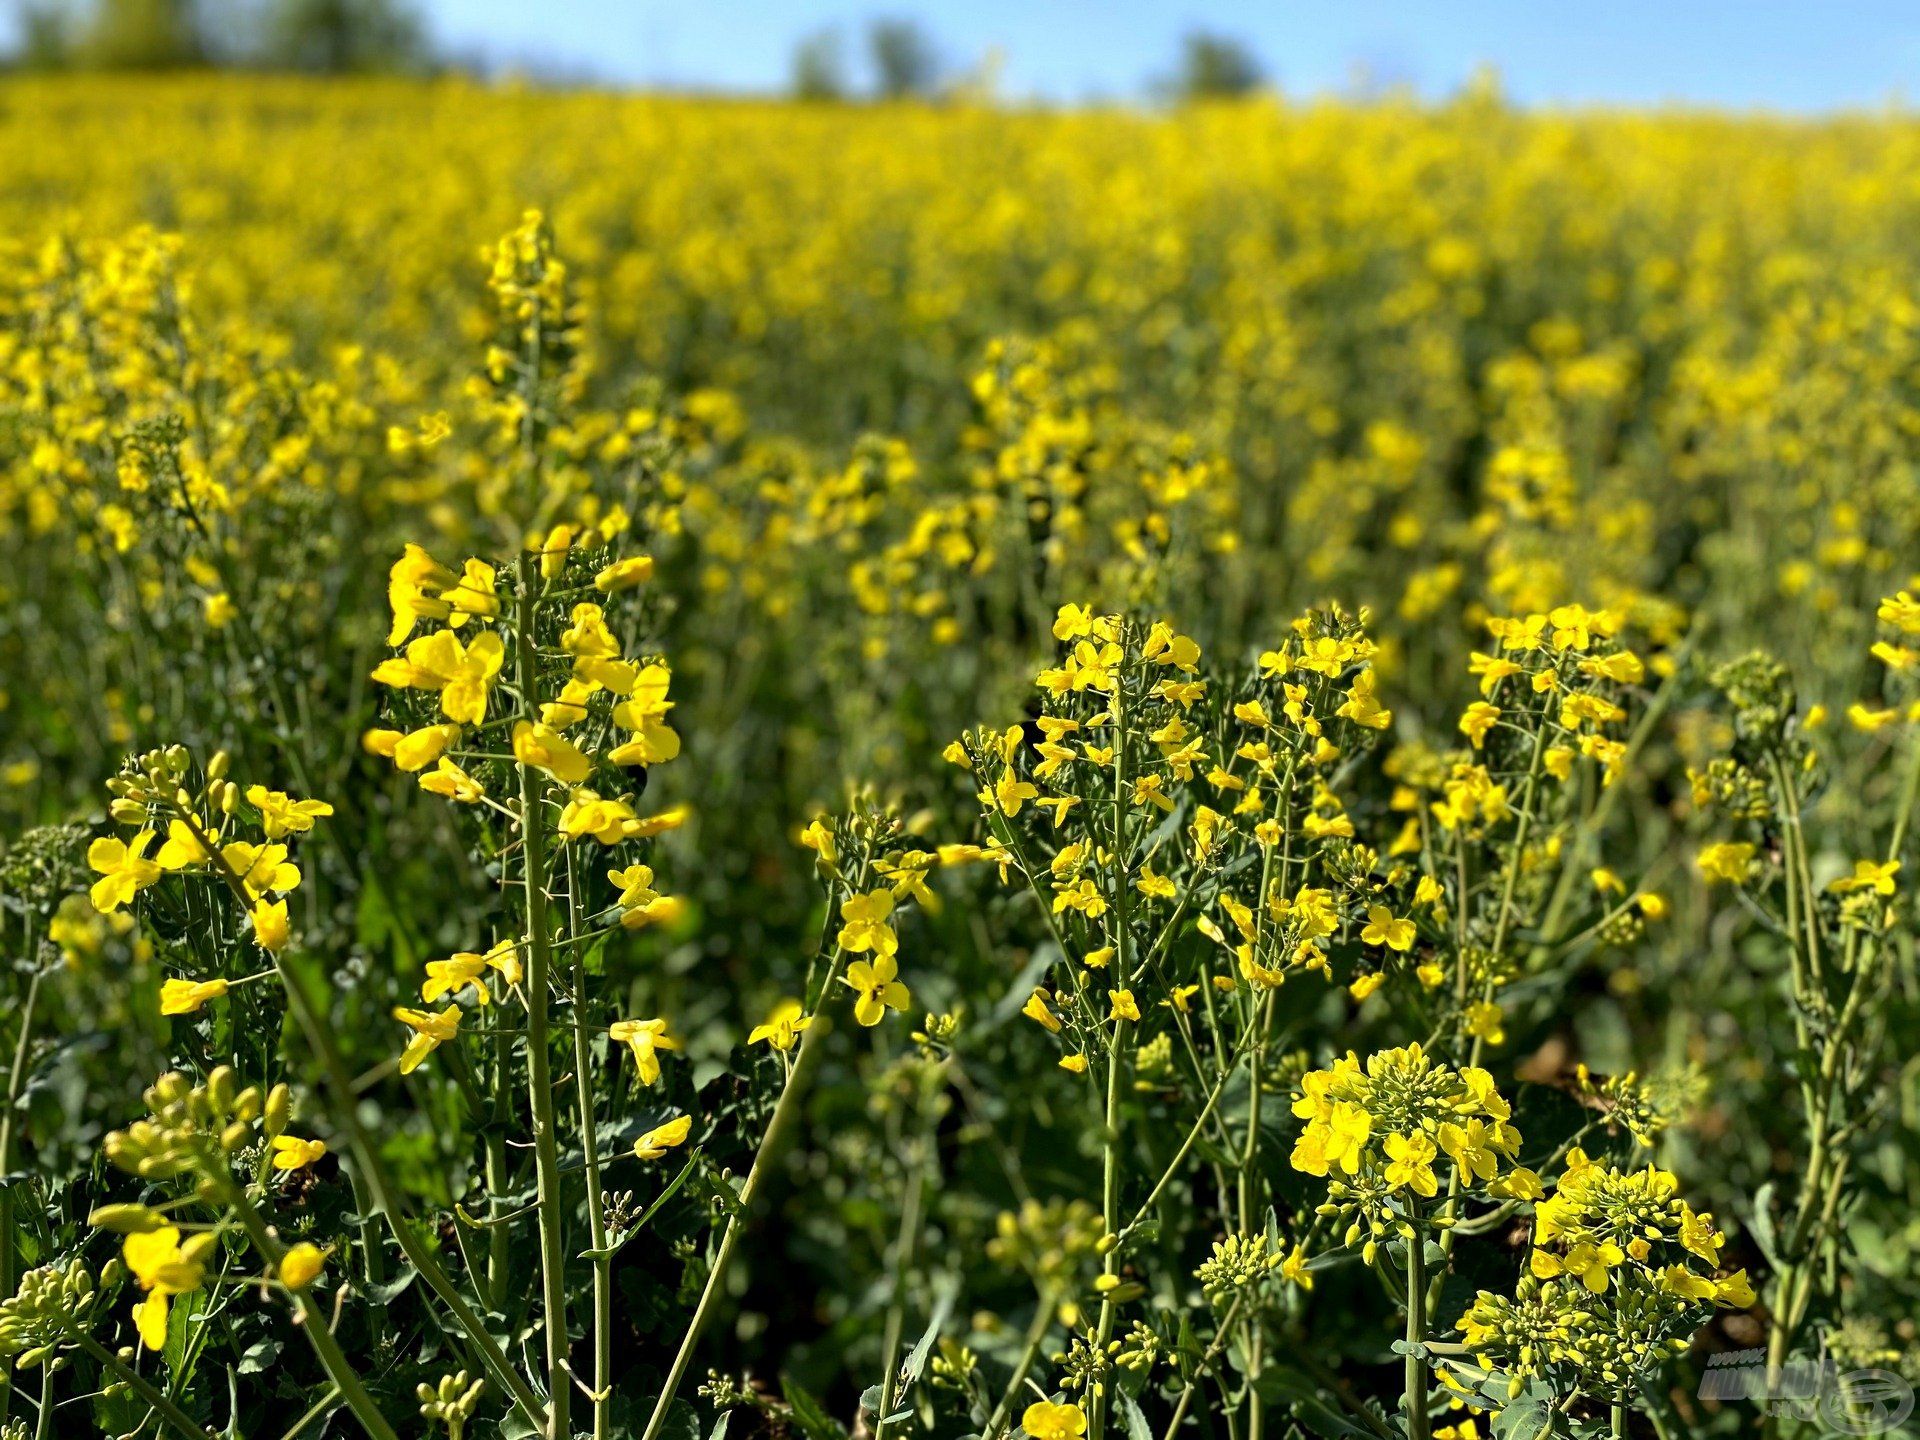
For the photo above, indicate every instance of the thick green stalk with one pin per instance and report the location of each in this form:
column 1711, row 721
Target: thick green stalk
column 1116, row 1048
column 1416, row 1368
column 1249, row 1202
column 596, row 1201
column 499, row 1177
column 546, row 1145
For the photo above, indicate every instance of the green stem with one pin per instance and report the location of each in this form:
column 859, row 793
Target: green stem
column 366, row 1158
column 1249, row 1202
column 596, row 1204
column 1907, row 799
column 902, row 1263
column 1188, row 1391
column 1416, row 1368
column 1110, row 1122
column 499, row 1177
column 313, row 1320
column 326, row 1402
column 546, row 1146
column 1580, row 852
column 1036, row 1332
column 134, row 1381
column 1193, row 1134
column 15, row 1076
column 785, row 1113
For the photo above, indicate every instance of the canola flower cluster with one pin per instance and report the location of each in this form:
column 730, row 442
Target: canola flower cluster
column 1621, row 1275
column 1384, row 1126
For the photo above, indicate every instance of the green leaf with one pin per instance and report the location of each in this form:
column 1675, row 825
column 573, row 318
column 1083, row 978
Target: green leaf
column 1186, row 1346
column 870, row 1403
column 809, row 1414
column 945, row 1292
column 388, row 1291
column 1764, row 1233
column 182, row 1316
column 1523, row 1417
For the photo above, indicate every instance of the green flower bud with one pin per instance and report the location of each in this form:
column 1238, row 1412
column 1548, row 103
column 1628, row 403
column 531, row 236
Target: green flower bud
column 125, row 1219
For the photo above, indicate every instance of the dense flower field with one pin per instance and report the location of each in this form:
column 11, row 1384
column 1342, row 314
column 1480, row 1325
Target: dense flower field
column 682, row 768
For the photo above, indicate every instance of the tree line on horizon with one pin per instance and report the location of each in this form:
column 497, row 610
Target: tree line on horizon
column 390, row 36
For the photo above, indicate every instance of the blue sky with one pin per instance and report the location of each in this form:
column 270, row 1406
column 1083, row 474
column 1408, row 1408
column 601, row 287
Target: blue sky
column 1807, row 56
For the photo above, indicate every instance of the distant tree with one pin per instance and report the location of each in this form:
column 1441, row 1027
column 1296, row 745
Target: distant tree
column 143, row 35
column 48, row 35
column 819, row 70
column 1216, row 65
column 903, row 59
column 337, row 37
